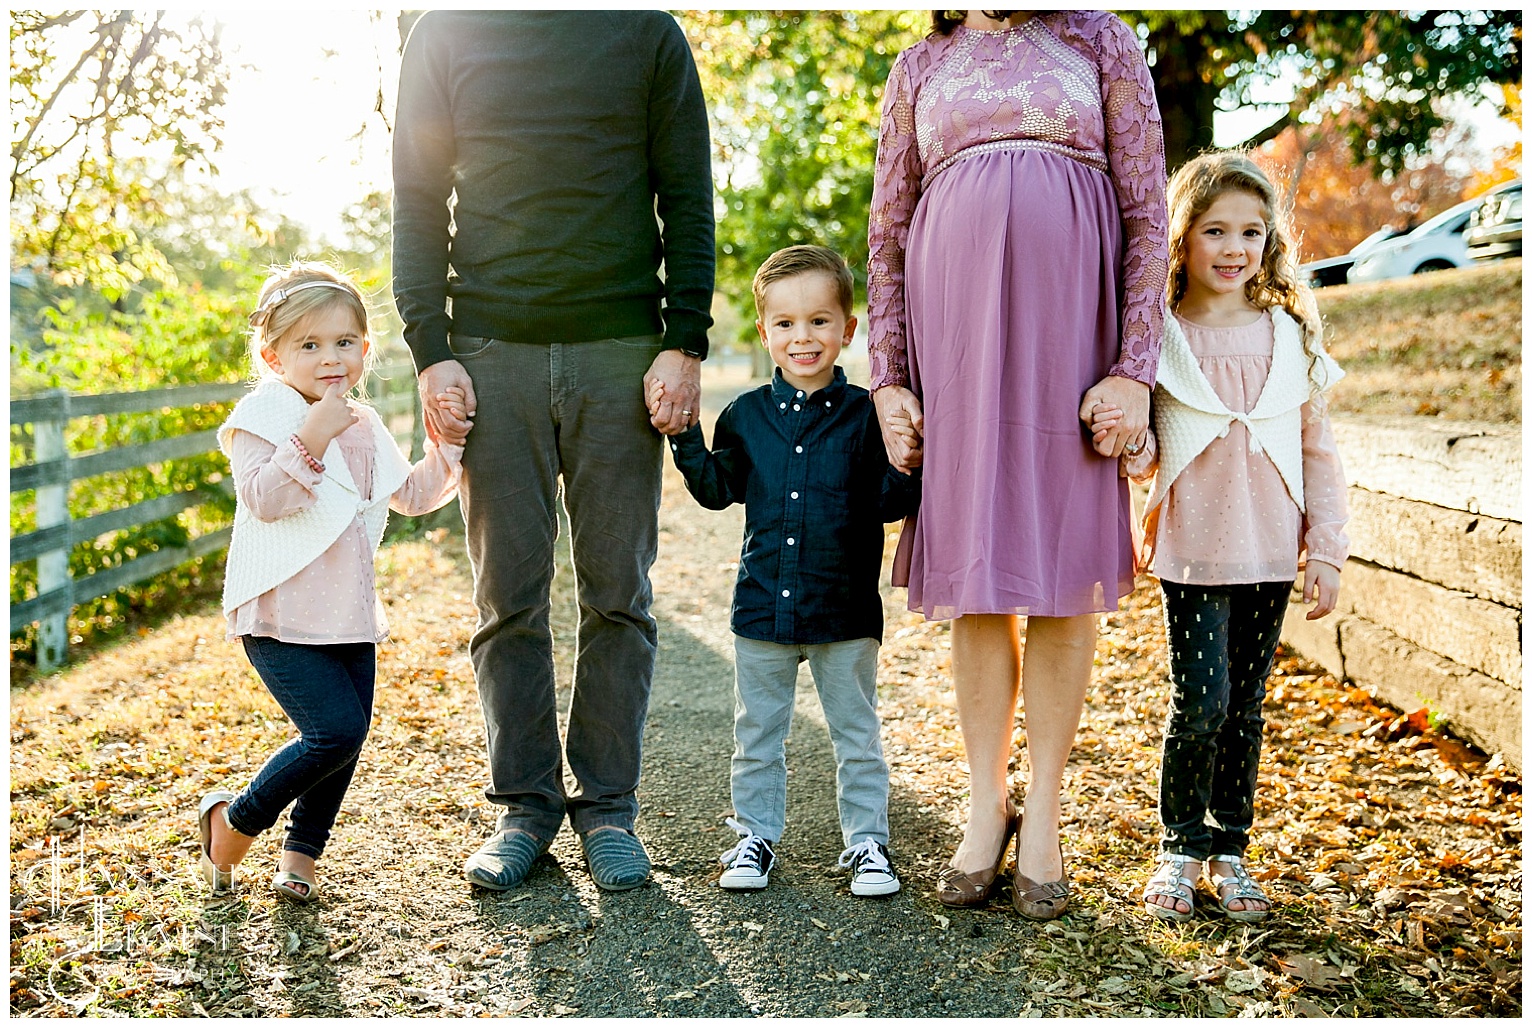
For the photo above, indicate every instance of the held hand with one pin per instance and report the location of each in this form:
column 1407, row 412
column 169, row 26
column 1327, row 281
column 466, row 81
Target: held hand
column 328, row 417
column 674, row 384
column 1103, row 419
column 903, row 424
column 454, row 405
column 1128, row 396
column 654, row 396
column 444, row 424
column 1321, row 584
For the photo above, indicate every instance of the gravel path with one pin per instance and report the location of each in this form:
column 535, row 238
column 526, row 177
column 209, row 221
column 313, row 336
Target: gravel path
column 804, row 946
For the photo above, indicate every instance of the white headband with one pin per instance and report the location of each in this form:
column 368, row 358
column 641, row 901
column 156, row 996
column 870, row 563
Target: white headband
column 262, row 313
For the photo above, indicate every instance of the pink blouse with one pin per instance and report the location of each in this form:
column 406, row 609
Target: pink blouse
column 333, row 600
column 1228, row 517
column 1071, row 82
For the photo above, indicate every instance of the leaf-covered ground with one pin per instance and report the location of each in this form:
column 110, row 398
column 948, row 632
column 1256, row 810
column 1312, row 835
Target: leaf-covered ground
column 1393, row 854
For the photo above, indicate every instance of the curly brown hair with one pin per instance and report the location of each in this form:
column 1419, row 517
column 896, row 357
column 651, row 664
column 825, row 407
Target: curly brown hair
column 1194, row 187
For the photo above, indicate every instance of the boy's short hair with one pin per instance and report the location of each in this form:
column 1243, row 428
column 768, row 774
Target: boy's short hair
column 800, row 260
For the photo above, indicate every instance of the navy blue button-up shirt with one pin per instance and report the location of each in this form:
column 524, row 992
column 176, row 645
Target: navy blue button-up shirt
column 817, row 488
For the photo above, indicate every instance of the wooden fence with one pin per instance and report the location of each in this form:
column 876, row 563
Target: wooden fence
column 53, row 469
column 1430, row 611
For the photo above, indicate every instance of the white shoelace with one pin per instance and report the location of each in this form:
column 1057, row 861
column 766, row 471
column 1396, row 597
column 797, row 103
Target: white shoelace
column 748, row 848
column 866, row 855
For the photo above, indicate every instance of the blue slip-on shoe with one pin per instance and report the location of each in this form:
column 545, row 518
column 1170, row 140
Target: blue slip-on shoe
column 616, row 859
column 504, row 860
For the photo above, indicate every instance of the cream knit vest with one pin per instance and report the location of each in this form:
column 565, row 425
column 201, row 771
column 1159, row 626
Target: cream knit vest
column 1188, row 415
column 263, row 555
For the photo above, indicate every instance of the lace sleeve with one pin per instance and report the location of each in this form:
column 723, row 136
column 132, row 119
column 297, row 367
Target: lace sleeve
column 1135, row 148
column 895, row 191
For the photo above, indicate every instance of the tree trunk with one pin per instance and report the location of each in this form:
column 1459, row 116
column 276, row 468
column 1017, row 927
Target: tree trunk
column 1185, row 99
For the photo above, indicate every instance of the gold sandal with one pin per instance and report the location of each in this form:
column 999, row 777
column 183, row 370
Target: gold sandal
column 221, row 881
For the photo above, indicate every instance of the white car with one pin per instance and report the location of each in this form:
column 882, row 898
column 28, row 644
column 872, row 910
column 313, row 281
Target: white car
column 1332, row 271
column 1434, row 245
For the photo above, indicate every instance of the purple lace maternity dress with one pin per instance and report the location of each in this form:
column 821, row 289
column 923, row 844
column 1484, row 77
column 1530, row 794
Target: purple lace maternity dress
column 1018, row 256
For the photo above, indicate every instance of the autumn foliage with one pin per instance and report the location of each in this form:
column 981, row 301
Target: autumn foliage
column 1336, row 202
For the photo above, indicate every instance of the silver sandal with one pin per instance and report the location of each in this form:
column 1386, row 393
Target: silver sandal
column 1171, row 881
column 1240, row 886
column 287, row 885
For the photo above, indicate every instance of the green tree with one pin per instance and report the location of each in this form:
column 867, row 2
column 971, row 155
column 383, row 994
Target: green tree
column 105, row 104
column 1389, row 69
column 794, row 97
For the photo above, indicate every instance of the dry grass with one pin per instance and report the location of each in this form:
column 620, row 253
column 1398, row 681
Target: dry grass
column 1446, row 344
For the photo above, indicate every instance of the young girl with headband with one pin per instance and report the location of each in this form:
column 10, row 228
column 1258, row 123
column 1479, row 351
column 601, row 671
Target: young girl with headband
column 1246, row 487
column 315, row 475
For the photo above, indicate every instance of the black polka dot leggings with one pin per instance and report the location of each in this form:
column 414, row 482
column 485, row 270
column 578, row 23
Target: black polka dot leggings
column 1222, row 641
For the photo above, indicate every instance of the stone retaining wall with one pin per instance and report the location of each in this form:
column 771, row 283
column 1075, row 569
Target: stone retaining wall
column 1430, row 608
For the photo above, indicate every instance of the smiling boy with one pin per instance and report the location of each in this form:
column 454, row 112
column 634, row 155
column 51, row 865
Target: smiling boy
column 805, row 455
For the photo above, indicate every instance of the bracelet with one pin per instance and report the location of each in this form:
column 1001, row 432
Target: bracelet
column 303, row 451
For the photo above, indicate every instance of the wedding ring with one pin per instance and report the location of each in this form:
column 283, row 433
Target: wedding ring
column 1133, row 451
column 687, row 413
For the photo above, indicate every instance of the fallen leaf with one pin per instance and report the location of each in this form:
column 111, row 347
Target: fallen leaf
column 1246, row 980
column 1311, row 969
column 345, row 952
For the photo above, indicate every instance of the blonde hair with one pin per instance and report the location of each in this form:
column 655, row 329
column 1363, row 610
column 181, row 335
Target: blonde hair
column 291, row 295
column 801, row 260
column 1277, row 283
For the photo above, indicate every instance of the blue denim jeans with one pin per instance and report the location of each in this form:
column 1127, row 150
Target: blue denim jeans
column 765, row 688
column 326, row 692
column 562, row 422
column 1222, row 640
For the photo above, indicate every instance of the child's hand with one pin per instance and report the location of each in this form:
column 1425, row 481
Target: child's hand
column 655, row 397
column 1321, row 583
column 1103, row 418
column 328, row 417
column 902, row 425
column 454, row 403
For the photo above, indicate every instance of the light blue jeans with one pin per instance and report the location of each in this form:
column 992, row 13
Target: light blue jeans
column 765, row 684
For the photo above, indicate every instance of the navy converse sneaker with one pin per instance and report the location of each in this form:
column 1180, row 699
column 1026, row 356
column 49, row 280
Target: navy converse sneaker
column 748, row 864
column 871, row 873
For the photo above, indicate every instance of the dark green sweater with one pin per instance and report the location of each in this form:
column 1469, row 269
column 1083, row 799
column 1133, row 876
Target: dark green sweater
column 569, row 138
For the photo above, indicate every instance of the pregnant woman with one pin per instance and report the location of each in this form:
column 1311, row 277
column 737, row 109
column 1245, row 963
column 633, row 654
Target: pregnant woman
column 1016, row 281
